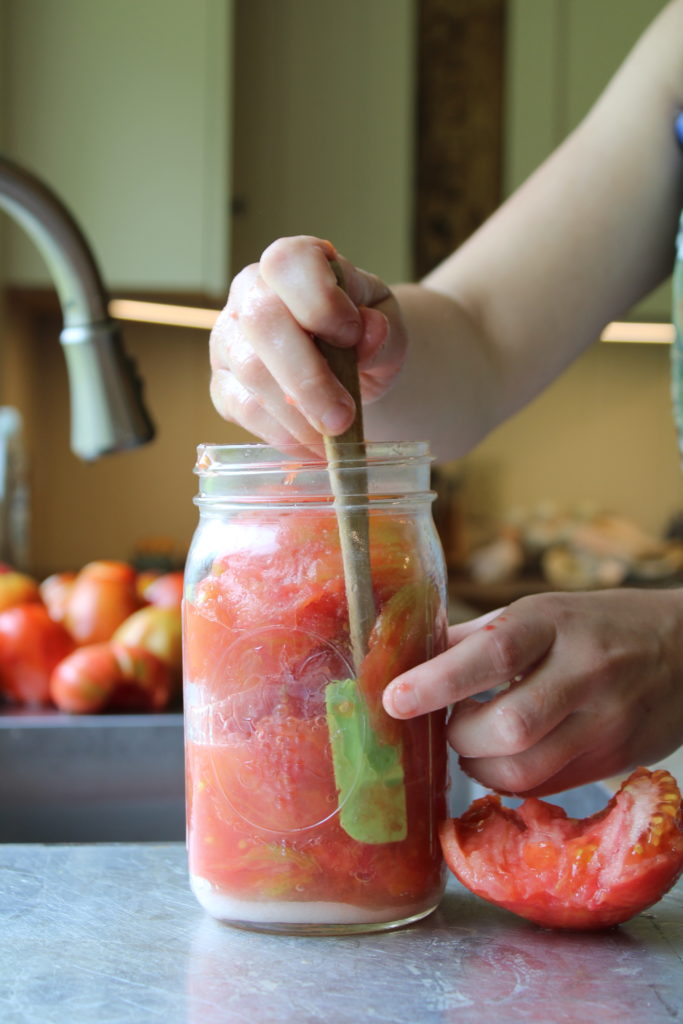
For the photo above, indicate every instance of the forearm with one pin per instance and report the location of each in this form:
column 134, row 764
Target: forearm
column 584, row 239
column 448, row 391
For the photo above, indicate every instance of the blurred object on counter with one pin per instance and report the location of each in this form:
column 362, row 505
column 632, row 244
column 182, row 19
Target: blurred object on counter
column 14, row 493
column 674, row 530
column 500, row 560
column 552, row 548
column 569, row 568
column 158, row 554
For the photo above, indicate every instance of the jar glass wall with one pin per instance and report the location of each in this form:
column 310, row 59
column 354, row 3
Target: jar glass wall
column 309, row 809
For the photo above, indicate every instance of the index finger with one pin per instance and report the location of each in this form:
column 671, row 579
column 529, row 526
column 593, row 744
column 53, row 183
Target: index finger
column 508, row 646
column 298, row 271
column 297, row 296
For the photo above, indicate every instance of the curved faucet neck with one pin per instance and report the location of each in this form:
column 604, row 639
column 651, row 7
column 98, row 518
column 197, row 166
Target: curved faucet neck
column 60, row 241
column 107, row 410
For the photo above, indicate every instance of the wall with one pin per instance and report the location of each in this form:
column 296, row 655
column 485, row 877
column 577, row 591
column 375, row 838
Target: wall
column 601, row 436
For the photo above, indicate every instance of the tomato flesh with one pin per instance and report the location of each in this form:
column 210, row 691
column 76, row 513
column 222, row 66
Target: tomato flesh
column 562, row 872
column 265, row 633
column 263, row 824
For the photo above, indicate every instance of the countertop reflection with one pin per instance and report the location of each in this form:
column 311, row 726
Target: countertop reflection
column 110, row 934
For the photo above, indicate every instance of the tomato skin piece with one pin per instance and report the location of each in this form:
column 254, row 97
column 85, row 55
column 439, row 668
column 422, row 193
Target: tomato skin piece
column 561, row 872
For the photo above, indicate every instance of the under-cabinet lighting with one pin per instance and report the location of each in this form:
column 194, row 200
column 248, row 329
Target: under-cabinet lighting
column 657, row 334
column 204, row 319
column 163, row 313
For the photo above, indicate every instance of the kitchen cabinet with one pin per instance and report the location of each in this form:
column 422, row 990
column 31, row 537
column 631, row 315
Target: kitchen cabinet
column 560, row 54
column 124, row 110
column 324, row 133
column 167, row 126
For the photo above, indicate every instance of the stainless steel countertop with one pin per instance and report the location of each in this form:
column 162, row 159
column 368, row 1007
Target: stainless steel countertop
column 110, row 934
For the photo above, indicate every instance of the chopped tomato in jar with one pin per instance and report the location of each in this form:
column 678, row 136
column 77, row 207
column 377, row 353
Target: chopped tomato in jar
column 304, row 796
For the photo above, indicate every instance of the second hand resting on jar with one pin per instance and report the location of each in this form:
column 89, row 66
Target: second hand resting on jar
column 584, row 688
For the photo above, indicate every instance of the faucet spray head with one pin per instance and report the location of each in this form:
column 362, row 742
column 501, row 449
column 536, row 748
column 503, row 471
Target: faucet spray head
column 107, row 411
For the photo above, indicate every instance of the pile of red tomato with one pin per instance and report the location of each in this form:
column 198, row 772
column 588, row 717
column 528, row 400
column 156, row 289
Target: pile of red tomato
column 105, row 638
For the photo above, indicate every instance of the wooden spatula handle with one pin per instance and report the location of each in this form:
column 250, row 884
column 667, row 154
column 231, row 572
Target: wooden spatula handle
column 346, row 459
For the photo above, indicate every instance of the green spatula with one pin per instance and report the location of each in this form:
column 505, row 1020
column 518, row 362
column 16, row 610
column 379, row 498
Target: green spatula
column 368, row 773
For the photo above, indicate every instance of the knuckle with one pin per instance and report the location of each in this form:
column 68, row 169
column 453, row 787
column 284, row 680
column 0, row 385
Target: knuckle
column 240, row 298
column 242, row 281
column 513, row 728
column 245, row 406
column 278, row 255
column 249, row 370
column 513, row 776
column 314, row 382
column 505, row 653
column 558, row 608
column 233, row 401
column 321, row 308
column 259, row 306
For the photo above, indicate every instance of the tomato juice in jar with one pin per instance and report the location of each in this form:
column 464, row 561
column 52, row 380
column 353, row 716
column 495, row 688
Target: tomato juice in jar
column 309, row 809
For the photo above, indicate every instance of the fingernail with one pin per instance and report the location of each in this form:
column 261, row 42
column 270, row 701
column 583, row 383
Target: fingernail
column 402, row 699
column 336, row 418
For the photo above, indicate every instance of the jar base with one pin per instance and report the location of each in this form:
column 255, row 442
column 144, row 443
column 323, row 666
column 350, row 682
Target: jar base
column 306, row 918
column 331, row 929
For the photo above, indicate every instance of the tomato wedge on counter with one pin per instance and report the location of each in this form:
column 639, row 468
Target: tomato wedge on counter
column 562, row 872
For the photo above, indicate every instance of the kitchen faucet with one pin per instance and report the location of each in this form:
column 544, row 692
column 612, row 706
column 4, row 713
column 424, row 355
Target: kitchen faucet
column 107, row 411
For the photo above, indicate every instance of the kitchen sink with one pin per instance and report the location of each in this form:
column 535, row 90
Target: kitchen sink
column 91, row 778
column 120, row 778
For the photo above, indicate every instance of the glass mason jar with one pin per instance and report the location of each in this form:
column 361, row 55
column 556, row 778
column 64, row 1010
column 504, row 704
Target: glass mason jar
column 309, row 809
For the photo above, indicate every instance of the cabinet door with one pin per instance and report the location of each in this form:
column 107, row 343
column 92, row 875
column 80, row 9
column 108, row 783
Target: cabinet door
column 560, row 55
column 324, row 136
column 123, row 108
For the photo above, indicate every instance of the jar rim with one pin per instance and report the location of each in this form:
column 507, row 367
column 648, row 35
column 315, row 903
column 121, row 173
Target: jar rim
column 226, row 459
